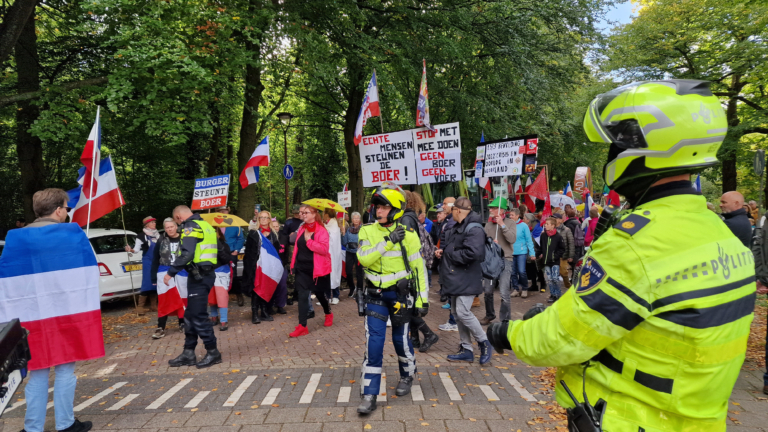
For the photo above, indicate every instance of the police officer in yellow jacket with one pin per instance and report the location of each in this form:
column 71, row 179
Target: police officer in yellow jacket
column 396, row 284
column 662, row 307
column 198, row 259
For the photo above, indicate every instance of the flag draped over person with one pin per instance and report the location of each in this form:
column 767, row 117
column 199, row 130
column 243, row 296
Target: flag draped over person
column 370, row 108
column 107, row 198
column 49, row 280
column 91, row 157
column 269, row 270
column 259, row 158
column 173, row 296
column 422, row 108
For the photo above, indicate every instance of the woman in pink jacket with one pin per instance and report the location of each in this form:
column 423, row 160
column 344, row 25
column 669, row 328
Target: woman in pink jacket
column 311, row 266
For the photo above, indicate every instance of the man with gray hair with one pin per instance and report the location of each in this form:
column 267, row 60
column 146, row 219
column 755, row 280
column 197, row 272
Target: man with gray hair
column 735, row 217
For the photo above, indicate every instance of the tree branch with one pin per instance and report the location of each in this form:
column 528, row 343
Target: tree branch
column 7, row 100
column 14, row 21
column 750, row 103
column 760, row 130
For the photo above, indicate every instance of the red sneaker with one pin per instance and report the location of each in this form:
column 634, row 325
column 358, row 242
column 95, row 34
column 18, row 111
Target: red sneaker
column 299, row 331
column 329, row 320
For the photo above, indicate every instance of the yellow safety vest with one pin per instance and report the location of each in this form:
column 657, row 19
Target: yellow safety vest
column 383, row 261
column 662, row 307
column 206, row 248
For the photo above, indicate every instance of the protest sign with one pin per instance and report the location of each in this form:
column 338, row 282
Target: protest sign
column 345, row 199
column 503, row 158
column 438, row 153
column 388, row 157
column 210, row 192
column 582, row 182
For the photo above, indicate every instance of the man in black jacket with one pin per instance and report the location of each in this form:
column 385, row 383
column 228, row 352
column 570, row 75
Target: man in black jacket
column 461, row 275
column 735, row 217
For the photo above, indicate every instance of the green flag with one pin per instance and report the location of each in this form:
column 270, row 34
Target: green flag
column 606, row 191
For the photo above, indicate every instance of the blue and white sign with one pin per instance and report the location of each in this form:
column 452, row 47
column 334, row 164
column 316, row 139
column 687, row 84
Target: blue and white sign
column 288, row 172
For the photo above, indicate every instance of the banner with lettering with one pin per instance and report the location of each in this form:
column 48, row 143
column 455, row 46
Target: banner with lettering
column 210, row 192
column 388, row 157
column 438, row 153
column 503, row 158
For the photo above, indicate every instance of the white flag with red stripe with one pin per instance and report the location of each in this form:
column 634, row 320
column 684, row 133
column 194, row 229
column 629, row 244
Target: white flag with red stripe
column 49, row 280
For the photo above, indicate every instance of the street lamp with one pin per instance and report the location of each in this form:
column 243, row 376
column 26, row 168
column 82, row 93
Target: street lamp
column 285, row 120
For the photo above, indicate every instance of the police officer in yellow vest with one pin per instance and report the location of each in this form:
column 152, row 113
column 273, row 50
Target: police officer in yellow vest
column 198, row 259
column 662, row 308
column 396, row 283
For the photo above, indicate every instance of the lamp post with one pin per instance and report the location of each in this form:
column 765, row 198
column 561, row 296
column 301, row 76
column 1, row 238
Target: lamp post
column 285, row 121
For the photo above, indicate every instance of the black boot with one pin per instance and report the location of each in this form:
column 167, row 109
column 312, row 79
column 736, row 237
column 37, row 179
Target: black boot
column 404, row 386
column 79, row 426
column 429, row 340
column 368, row 404
column 255, row 316
column 212, row 357
column 415, row 340
column 265, row 316
column 240, row 300
column 281, row 311
column 289, row 300
column 187, row 358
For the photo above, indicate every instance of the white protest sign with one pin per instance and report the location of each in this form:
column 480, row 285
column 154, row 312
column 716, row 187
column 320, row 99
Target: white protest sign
column 210, row 192
column 503, row 158
column 345, row 199
column 388, row 157
column 438, row 153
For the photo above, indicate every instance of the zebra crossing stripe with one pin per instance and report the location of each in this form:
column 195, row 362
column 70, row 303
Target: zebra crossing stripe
column 20, row 403
column 238, row 393
column 197, row 399
column 416, row 393
column 162, row 399
column 449, row 387
column 519, row 387
column 106, row 371
column 100, row 395
column 269, row 399
column 489, row 393
column 344, row 393
column 309, row 390
column 383, row 388
column 123, row 402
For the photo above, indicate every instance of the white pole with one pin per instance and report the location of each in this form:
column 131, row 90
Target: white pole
column 93, row 167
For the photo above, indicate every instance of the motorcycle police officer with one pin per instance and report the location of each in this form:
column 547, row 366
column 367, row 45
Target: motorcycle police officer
column 395, row 273
column 657, row 323
column 198, row 258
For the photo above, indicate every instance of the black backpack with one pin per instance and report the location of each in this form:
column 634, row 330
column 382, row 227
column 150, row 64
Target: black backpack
column 493, row 264
column 578, row 233
column 223, row 254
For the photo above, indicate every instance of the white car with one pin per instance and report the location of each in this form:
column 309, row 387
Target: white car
column 119, row 276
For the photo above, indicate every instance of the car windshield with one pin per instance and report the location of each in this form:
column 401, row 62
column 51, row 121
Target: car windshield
column 111, row 243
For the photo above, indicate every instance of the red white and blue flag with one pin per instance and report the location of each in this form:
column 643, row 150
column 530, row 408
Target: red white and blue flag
column 107, row 198
column 171, row 298
column 370, row 108
column 54, row 292
column 269, row 270
column 91, row 157
column 260, row 157
column 345, row 188
column 588, row 203
column 422, row 107
column 567, row 191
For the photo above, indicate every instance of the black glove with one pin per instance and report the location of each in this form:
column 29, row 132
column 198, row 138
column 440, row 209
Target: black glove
column 532, row 312
column 397, row 235
column 423, row 310
column 497, row 336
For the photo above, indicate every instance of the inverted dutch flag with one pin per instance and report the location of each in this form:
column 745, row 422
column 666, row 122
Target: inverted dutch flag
column 107, row 198
column 54, row 292
column 92, row 155
column 260, row 157
column 588, row 203
column 370, row 108
column 171, row 297
column 269, row 270
column 567, row 191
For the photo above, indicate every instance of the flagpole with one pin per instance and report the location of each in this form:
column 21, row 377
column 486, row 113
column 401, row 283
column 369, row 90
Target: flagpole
column 125, row 234
column 93, row 167
column 378, row 96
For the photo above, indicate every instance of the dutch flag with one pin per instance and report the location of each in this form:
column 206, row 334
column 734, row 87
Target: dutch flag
column 260, row 157
column 91, row 155
column 49, row 280
column 269, row 270
column 106, row 198
column 171, row 297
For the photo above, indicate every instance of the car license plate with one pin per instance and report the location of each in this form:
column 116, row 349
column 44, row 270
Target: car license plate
column 14, row 380
column 132, row 267
column 240, row 256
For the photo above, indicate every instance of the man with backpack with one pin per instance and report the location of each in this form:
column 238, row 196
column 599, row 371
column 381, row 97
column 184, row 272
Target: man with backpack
column 503, row 231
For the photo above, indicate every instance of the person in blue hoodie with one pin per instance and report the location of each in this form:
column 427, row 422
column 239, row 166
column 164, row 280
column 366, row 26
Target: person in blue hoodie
column 523, row 250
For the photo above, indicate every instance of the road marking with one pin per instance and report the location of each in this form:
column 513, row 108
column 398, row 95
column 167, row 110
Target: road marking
column 269, row 399
column 162, row 399
column 449, row 387
column 344, row 393
column 309, row 391
column 383, row 388
column 123, row 402
column 519, row 387
column 100, row 395
column 238, row 393
column 489, row 393
column 416, row 393
column 21, row 402
column 197, row 399
column 106, row 371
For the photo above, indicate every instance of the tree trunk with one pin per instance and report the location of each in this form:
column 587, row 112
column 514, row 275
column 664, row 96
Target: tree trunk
column 355, row 101
column 28, row 146
column 17, row 17
column 213, row 158
column 249, row 137
column 728, row 152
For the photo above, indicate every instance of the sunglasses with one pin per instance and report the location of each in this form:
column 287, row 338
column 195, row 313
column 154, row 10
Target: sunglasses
column 68, row 209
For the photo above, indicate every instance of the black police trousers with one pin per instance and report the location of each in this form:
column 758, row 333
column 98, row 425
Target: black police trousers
column 196, row 320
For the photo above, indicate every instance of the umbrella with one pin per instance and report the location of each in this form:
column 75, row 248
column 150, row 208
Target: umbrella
column 580, row 207
column 322, row 204
column 560, row 200
column 223, row 220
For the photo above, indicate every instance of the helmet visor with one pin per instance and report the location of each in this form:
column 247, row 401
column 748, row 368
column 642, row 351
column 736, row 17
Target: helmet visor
column 618, row 120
